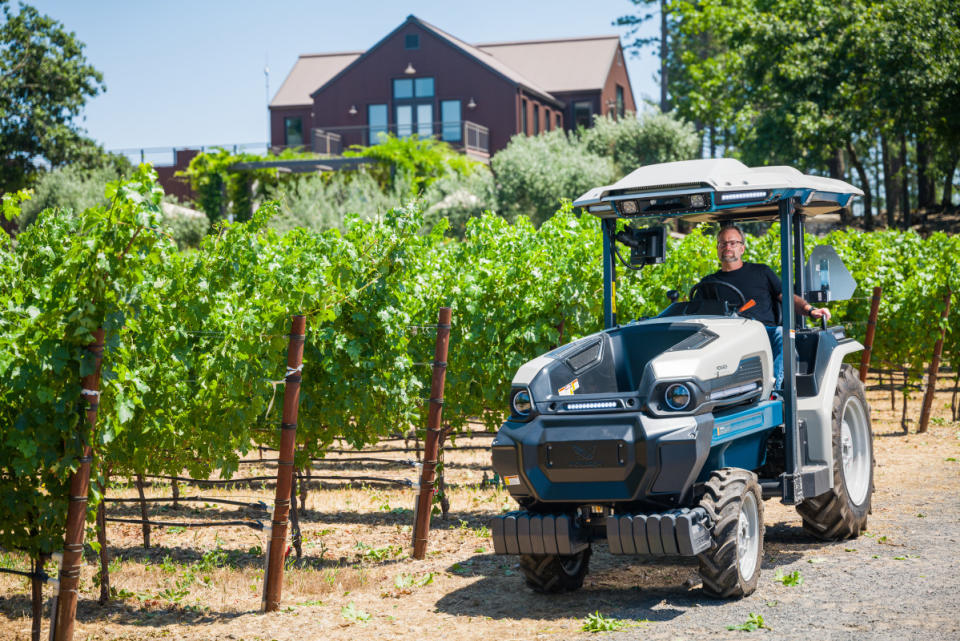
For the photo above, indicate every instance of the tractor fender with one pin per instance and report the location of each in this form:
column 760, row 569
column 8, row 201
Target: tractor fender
column 818, row 410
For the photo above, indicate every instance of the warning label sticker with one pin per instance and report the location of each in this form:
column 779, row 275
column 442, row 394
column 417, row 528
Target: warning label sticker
column 569, row 388
column 511, row 480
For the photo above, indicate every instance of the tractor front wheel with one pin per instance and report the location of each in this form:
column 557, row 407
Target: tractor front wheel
column 553, row 573
column 842, row 512
column 731, row 567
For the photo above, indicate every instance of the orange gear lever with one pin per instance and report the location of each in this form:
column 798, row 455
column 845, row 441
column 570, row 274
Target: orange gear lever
column 747, row 305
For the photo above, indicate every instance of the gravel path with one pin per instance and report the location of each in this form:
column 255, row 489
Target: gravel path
column 902, row 587
column 901, row 580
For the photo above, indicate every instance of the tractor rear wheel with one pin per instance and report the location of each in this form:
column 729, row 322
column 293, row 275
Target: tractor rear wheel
column 731, row 567
column 553, row 573
column 842, row 512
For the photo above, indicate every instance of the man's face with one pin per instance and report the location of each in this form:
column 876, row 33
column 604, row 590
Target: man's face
column 729, row 246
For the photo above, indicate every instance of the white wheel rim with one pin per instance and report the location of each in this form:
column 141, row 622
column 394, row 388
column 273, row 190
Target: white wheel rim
column 855, row 450
column 748, row 536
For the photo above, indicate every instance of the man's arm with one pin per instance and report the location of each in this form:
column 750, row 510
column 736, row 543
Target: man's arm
column 803, row 308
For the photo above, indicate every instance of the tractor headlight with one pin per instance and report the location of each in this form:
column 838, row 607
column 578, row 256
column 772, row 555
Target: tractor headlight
column 677, row 396
column 521, row 403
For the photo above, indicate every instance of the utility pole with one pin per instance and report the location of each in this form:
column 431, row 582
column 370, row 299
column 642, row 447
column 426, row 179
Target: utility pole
column 266, row 93
column 664, row 80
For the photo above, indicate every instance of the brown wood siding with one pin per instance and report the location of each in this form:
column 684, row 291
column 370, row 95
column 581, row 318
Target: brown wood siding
column 617, row 76
column 277, row 133
column 457, row 76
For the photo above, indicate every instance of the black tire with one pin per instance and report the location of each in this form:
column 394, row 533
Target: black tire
column 842, row 512
column 733, row 501
column 552, row 574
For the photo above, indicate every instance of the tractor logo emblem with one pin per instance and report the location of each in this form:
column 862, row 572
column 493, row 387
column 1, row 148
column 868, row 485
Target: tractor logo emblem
column 583, row 453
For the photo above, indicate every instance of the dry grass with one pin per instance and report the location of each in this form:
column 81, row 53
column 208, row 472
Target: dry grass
column 357, row 580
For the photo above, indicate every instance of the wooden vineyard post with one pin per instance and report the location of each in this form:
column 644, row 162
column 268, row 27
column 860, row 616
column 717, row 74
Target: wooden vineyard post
column 288, row 439
column 65, row 608
column 871, row 329
column 421, row 526
column 932, row 374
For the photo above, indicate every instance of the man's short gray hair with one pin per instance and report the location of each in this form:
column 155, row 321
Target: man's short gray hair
column 726, row 226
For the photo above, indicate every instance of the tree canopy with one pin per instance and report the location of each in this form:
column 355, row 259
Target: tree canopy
column 45, row 81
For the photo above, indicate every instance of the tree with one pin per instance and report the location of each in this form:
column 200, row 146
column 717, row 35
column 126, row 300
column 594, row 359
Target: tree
column 825, row 85
column 641, row 139
column 635, row 21
column 45, row 81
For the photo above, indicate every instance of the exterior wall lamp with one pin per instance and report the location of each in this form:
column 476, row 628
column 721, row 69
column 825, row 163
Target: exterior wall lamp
column 472, row 104
column 409, row 70
column 352, row 110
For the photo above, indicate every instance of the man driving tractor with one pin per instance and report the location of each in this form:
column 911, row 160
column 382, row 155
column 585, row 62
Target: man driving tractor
column 760, row 286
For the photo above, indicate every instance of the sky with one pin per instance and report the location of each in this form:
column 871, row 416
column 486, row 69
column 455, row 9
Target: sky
column 183, row 74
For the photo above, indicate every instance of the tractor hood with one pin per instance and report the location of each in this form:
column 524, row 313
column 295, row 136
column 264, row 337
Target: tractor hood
column 715, row 189
column 722, row 360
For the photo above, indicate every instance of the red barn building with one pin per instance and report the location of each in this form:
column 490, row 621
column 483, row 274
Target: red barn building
column 422, row 80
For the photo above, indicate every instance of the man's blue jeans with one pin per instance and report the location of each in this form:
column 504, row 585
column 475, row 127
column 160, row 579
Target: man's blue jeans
column 775, row 334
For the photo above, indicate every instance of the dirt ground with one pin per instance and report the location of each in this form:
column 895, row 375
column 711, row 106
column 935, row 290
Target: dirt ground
column 356, row 580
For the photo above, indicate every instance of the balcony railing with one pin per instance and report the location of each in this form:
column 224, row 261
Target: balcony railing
column 461, row 134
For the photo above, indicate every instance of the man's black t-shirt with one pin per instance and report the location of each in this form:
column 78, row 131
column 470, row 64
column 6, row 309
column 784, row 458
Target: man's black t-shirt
column 757, row 282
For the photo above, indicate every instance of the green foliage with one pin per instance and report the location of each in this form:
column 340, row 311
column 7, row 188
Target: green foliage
column 533, row 173
column 67, row 276
column 223, row 192
column 45, row 81
column 753, row 622
column 642, row 139
column 193, row 338
column 186, row 227
column 353, row 614
column 74, row 188
column 326, row 201
column 457, row 199
column 792, row 579
column 596, row 622
column 418, row 161
column 793, row 81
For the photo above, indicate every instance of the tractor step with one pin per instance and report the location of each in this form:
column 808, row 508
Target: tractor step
column 526, row 533
column 683, row 532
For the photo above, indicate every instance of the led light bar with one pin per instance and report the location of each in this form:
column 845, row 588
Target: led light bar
column 738, row 196
column 594, row 405
column 732, row 391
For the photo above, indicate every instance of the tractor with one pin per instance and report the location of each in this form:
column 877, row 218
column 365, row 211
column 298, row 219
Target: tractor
column 663, row 436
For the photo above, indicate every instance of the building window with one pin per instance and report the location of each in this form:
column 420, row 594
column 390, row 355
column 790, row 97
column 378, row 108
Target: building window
column 450, row 115
column 407, row 88
column 523, row 116
column 411, row 41
column 425, row 120
column 620, row 102
column 547, row 120
column 583, row 113
column 536, row 119
column 377, row 120
column 293, row 132
column 559, row 123
column 402, row 88
column 423, row 87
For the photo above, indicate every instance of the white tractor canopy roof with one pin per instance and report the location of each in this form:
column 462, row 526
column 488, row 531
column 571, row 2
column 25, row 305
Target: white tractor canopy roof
column 715, row 190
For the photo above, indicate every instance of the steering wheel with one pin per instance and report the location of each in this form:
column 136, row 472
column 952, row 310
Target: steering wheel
column 695, row 290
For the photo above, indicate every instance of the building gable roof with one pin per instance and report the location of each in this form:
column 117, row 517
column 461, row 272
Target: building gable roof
column 309, row 72
column 542, row 67
column 482, row 57
column 571, row 64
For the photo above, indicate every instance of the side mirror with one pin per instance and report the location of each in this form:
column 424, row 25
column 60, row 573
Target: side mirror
column 673, row 295
column 827, row 277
